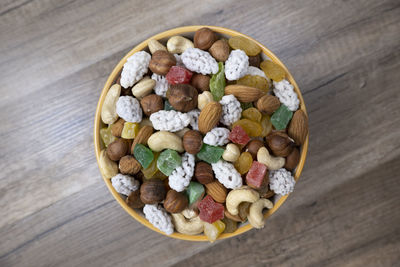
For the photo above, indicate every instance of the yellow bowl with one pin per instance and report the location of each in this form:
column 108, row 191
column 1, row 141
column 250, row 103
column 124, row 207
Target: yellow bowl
column 98, row 124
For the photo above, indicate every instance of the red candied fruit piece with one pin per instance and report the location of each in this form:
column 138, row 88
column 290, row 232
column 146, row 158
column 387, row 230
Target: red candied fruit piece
column 238, row 135
column 256, row 174
column 178, row 74
column 210, row 211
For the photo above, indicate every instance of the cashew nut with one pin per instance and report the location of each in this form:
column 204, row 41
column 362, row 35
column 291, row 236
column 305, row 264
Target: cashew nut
column 108, row 168
column 155, row 45
column 143, row 87
column 203, row 99
column 192, row 226
column 256, row 218
column 108, row 110
column 162, row 140
column 182, row 132
column 273, row 163
column 231, row 153
column 237, row 196
column 189, row 213
column 178, row 44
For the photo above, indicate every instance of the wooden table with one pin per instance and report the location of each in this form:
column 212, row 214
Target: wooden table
column 55, row 58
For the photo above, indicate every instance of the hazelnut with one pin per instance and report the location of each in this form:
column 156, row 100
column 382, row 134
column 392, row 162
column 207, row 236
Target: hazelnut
column 268, row 104
column 220, row 50
column 117, row 149
column 192, row 141
column 133, row 200
column 253, row 146
column 203, row 173
column 152, row 191
column 201, row 82
column 116, row 127
column 151, row 103
column 182, row 97
column 129, row 165
column 204, row 38
column 292, row 159
column 280, row 144
column 255, row 61
column 161, row 61
column 175, row 202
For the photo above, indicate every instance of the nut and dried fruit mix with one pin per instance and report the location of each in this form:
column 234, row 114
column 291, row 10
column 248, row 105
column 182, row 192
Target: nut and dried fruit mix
column 201, row 134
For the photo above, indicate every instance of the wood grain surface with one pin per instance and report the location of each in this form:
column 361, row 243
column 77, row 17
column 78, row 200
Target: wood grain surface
column 55, row 57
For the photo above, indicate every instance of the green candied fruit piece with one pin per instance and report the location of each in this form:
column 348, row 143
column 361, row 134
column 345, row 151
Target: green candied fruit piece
column 168, row 161
column 167, row 105
column 281, row 117
column 106, row 136
column 245, row 106
column 143, row 154
column 210, row 154
column 194, row 192
column 217, row 83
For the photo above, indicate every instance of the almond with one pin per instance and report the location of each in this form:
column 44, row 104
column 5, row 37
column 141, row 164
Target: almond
column 244, row 93
column 217, row 191
column 298, row 128
column 143, row 135
column 268, row 104
column 209, row 116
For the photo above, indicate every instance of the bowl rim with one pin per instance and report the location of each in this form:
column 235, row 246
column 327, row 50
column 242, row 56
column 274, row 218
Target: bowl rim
column 112, row 77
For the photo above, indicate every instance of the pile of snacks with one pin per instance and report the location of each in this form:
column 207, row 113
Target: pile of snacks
column 201, row 134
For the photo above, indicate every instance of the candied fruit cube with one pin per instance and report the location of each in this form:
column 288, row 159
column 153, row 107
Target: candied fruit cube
column 167, row 106
column 130, row 130
column 210, row 211
column 178, row 74
column 194, row 192
column 106, row 136
column 256, row 175
column 210, row 154
column 168, row 161
column 152, row 169
column 213, row 230
column 238, row 135
column 143, row 154
column 281, row 117
column 217, row 83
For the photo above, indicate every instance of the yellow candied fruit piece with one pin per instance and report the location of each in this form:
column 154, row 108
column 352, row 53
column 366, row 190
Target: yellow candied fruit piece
column 106, row 136
column 252, row 114
column 243, row 164
column 266, row 125
column 152, row 171
column 255, row 81
column 213, row 230
column 273, row 70
column 252, row 128
column 130, row 130
column 248, row 46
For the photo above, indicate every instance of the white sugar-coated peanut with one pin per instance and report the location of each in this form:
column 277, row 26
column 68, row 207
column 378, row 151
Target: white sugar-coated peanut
column 231, row 110
column 181, row 176
column 178, row 44
column 169, row 120
column 135, row 68
column 108, row 110
column 281, row 181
